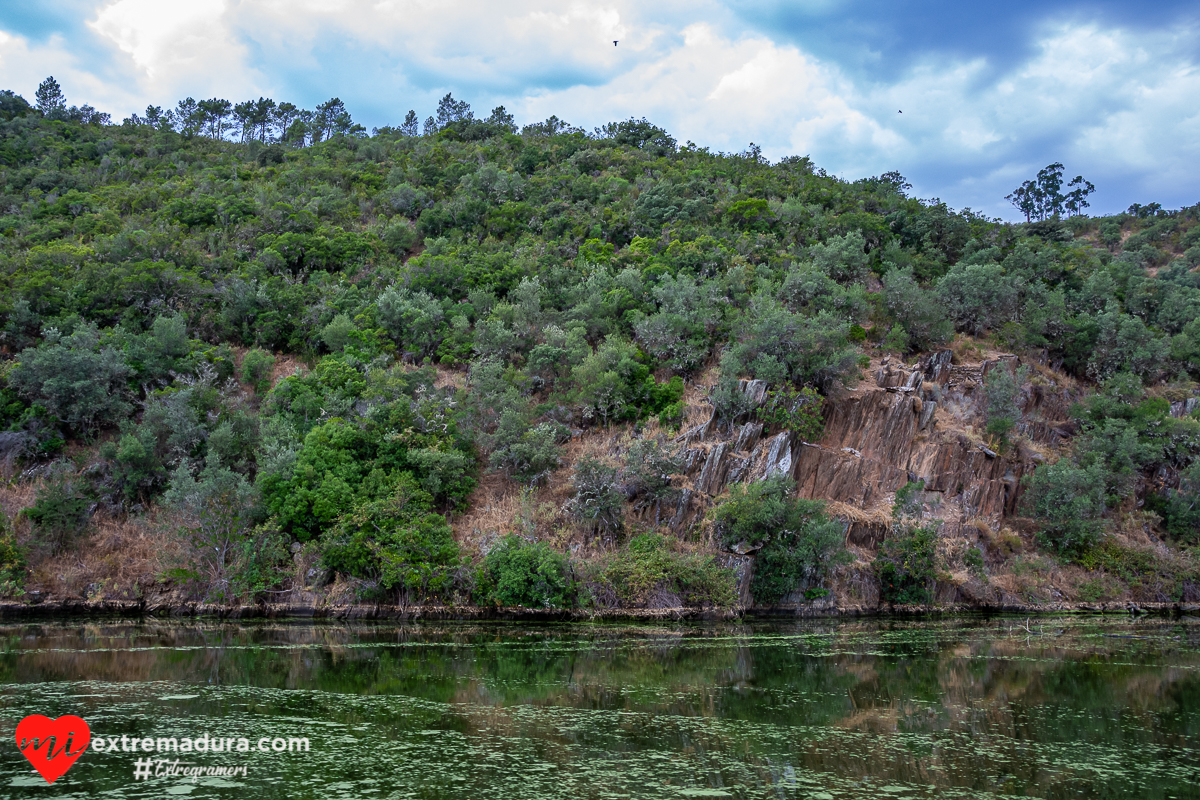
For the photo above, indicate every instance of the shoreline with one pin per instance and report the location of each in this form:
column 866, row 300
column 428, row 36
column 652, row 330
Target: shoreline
column 74, row 609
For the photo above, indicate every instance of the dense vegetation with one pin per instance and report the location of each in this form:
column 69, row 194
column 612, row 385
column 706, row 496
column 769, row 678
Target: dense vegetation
column 247, row 334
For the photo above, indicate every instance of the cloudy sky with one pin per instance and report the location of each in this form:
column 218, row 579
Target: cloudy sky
column 989, row 95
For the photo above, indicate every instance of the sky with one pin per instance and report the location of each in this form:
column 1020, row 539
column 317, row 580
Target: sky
column 966, row 100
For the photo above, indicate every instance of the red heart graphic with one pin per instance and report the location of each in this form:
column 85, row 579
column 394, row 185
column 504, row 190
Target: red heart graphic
column 47, row 743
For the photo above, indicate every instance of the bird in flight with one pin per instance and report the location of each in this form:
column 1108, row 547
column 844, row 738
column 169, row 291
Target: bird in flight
column 899, row 112
column 614, row 42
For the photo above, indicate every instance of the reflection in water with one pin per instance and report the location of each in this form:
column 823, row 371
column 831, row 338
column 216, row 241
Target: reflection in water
column 1069, row 707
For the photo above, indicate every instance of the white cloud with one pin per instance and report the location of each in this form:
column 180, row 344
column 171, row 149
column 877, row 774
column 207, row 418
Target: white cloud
column 1117, row 105
column 725, row 93
column 178, row 47
column 24, row 65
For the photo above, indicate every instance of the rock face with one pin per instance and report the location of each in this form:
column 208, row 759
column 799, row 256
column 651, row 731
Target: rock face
column 917, row 422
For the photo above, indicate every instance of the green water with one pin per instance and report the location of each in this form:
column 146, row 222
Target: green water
column 1071, row 708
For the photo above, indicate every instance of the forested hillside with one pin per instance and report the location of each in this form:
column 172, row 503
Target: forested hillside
column 471, row 365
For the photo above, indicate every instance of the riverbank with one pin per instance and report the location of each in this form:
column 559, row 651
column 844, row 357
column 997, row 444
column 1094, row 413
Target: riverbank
column 66, row 609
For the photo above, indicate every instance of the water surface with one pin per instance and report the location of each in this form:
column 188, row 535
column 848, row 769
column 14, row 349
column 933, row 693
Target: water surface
column 1083, row 707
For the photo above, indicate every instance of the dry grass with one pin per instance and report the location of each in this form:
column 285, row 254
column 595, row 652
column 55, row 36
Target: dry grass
column 120, row 557
column 1137, row 529
column 696, row 408
column 966, row 350
column 878, row 517
column 285, row 366
column 447, row 377
column 16, row 496
column 494, row 506
column 1053, row 376
column 500, row 506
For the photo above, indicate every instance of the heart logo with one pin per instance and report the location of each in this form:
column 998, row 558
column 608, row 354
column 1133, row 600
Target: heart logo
column 52, row 745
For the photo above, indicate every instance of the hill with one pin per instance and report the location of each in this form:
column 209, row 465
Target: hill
column 556, row 368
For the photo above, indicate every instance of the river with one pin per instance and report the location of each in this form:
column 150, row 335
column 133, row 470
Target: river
column 1056, row 707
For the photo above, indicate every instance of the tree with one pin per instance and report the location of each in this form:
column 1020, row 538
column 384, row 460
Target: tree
column 243, row 115
column 49, row 99
column 410, row 125
column 12, row 105
column 639, row 133
column 1002, row 388
column 324, row 116
column 451, row 110
column 264, row 113
column 499, row 118
column 186, row 117
column 1076, row 200
column 1043, row 197
column 281, row 119
column 213, row 113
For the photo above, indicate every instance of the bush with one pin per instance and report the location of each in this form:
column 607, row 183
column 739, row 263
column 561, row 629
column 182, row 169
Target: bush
column 907, row 565
column 649, row 467
column 1001, row 388
column 75, row 379
column 257, row 367
column 980, row 297
column 778, row 346
column 12, row 560
column 59, row 513
column 448, row 475
column 648, row 571
column 338, row 333
column 1180, row 508
column 922, row 319
column 671, row 417
column 597, row 501
column 399, row 542
column 415, row 320
column 520, row 573
column 614, row 385
column 528, row 454
column 798, row 546
column 1068, row 501
column 218, row 509
column 794, row 409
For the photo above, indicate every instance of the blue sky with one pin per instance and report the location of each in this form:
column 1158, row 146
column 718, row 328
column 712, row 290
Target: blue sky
column 989, row 95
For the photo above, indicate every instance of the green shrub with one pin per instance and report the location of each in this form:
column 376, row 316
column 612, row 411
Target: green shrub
column 794, row 409
column 256, row 370
column 1001, row 388
column 613, row 384
column 798, row 546
column 906, row 565
column 59, row 513
column 12, row 559
column 75, row 379
column 647, row 474
column 671, row 417
column 909, row 499
column 520, row 573
column 399, row 542
column 338, row 333
column 1150, row 574
column 447, row 474
column 1180, row 507
column 597, row 501
column 527, row 454
column 921, row 319
column 217, row 511
column 647, row 568
column 973, row 559
column 1068, row 502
